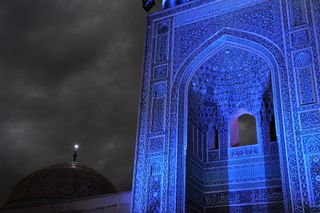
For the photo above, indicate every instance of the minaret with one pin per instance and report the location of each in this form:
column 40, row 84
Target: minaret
column 75, row 155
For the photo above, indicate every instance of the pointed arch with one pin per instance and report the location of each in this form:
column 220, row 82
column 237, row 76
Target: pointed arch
column 179, row 103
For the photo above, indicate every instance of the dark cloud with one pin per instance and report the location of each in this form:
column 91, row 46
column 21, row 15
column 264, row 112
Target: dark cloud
column 69, row 71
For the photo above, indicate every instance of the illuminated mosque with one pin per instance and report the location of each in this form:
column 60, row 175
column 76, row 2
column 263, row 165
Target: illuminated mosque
column 229, row 118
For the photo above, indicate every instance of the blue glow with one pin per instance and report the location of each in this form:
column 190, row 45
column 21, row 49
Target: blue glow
column 172, row 3
column 207, row 62
column 168, row 3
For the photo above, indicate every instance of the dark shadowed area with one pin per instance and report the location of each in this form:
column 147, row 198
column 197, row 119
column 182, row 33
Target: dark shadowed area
column 69, row 72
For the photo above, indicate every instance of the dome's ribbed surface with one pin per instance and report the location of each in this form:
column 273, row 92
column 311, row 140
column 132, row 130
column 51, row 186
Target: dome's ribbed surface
column 59, row 183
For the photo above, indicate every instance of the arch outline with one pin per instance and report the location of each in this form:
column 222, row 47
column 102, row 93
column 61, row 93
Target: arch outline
column 179, row 102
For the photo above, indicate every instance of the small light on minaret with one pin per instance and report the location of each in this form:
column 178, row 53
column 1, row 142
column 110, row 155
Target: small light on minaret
column 75, row 155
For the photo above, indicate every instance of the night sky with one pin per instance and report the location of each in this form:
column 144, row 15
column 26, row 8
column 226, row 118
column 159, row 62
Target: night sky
column 69, row 72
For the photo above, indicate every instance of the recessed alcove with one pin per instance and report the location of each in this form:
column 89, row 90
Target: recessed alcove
column 230, row 111
column 243, row 130
column 212, row 138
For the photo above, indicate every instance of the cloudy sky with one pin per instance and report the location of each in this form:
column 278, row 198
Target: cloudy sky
column 69, row 72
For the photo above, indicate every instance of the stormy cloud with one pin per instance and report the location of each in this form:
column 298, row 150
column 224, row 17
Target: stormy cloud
column 69, row 72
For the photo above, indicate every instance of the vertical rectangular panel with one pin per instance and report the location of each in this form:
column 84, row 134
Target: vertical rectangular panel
column 314, row 165
column 306, row 85
column 158, row 114
column 162, row 48
column 154, row 188
column 154, row 193
column 298, row 12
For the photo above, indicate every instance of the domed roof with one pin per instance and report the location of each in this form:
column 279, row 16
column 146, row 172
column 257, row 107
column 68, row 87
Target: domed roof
column 59, row 183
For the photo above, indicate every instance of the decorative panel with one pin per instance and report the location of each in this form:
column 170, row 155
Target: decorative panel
column 311, row 143
column 154, row 193
column 245, row 197
column 300, row 37
column 246, row 151
column 156, row 144
column 154, row 188
column 160, row 72
column 159, row 89
column 158, row 114
column 302, row 58
column 306, row 84
column 158, row 107
column 243, row 185
column 275, row 207
column 310, row 119
column 213, row 155
column 163, row 28
column 214, row 9
column 162, row 42
column 162, row 48
column 243, row 173
column 297, row 12
column 314, row 165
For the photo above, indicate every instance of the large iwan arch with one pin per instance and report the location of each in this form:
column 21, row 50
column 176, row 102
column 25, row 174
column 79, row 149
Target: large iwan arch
column 183, row 78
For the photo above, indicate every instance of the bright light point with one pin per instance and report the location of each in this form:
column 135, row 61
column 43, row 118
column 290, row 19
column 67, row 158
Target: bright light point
column 76, row 147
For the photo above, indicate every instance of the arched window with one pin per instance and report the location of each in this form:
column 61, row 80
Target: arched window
column 213, row 138
column 243, row 130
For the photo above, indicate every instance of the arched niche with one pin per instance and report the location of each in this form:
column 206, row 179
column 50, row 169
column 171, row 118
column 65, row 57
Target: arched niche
column 243, row 130
column 212, row 138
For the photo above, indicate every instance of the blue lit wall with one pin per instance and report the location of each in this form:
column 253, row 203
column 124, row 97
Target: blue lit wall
column 184, row 44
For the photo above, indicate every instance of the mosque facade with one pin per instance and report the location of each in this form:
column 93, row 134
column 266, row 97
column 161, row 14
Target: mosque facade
column 229, row 118
column 209, row 65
